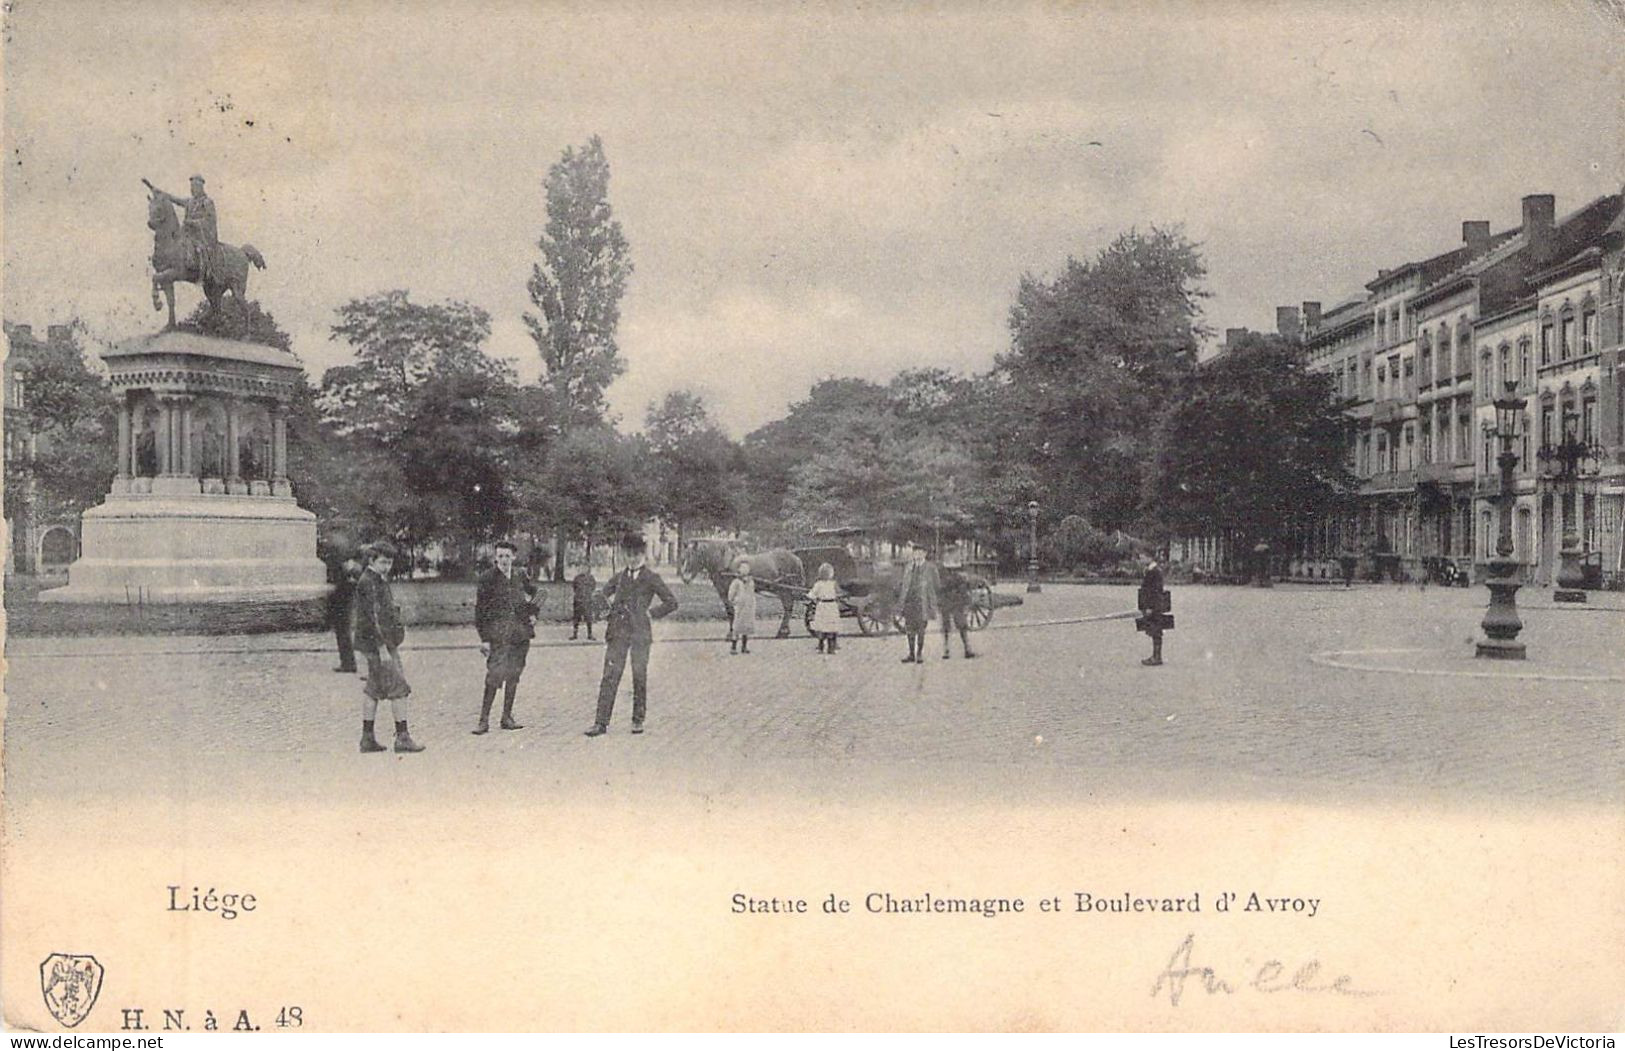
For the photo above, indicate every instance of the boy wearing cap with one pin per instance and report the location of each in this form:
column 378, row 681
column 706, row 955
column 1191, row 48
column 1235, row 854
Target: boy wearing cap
column 505, row 608
column 378, row 635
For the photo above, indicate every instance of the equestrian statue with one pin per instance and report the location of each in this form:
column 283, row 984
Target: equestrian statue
column 190, row 249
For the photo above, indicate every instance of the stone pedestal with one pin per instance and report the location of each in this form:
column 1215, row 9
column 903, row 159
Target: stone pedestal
column 1570, row 577
column 1501, row 621
column 201, row 509
column 195, row 548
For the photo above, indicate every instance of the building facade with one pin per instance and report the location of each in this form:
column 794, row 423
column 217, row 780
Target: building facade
column 39, row 540
column 1419, row 360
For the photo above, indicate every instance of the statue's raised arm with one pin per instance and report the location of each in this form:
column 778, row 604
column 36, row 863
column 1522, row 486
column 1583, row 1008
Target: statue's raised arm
column 165, row 194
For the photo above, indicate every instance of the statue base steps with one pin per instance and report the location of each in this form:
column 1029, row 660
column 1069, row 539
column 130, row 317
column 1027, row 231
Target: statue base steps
column 182, row 548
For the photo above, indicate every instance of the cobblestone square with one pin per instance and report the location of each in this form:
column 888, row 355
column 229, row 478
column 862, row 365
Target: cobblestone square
column 1264, row 696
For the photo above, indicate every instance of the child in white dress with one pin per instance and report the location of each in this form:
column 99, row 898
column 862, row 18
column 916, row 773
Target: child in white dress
column 742, row 600
column 826, row 622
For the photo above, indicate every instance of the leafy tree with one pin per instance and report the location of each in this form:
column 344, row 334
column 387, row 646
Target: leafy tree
column 425, row 423
column 234, row 320
column 63, row 439
column 898, row 485
column 577, row 286
column 591, row 483
column 1218, row 466
column 398, row 345
column 452, row 453
column 833, row 416
column 696, row 465
column 1093, row 354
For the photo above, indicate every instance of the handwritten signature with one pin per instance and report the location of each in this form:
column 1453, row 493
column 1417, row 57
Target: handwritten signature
column 1270, row 977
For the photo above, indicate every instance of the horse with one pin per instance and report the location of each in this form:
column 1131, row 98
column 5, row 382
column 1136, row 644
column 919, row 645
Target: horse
column 776, row 572
column 171, row 261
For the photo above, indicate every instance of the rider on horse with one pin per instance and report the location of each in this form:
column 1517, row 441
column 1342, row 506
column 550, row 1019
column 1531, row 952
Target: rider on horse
column 199, row 227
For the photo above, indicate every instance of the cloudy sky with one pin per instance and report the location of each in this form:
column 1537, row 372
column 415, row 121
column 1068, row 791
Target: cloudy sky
column 809, row 189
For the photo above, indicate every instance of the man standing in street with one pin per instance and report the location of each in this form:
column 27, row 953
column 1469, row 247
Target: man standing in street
column 583, row 588
column 343, row 575
column 955, row 603
column 504, row 614
column 628, row 632
column 918, row 594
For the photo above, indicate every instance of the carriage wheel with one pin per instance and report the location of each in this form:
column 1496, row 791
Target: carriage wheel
column 870, row 624
column 981, row 606
column 808, row 618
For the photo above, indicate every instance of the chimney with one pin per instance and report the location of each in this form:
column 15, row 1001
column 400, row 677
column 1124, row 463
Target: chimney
column 1287, row 324
column 1311, row 315
column 1475, row 234
column 23, row 332
column 58, row 334
column 1232, row 336
column 1539, row 212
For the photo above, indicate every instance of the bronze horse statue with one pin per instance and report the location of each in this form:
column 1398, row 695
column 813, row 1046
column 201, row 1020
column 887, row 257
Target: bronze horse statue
column 777, row 572
column 172, row 261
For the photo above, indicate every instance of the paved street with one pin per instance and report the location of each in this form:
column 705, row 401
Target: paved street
column 1451, row 829
column 1057, row 704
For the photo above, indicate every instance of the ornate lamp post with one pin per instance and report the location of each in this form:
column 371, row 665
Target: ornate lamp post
column 1501, row 624
column 1032, row 547
column 1566, row 463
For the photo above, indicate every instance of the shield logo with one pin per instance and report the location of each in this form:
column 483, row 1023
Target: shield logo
column 70, row 985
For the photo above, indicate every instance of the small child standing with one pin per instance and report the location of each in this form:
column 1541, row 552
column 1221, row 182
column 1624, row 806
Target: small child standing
column 582, row 589
column 826, row 622
column 742, row 600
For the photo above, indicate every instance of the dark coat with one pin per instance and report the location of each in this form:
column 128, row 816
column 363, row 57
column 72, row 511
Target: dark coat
column 581, row 589
column 1155, row 605
column 629, row 597
column 954, row 593
column 918, row 590
column 505, row 607
column 375, row 622
column 1150, row 599
column 343, row 576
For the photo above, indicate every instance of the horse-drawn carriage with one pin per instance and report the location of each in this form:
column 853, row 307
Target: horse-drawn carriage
column 869, row 591
column 868, row 587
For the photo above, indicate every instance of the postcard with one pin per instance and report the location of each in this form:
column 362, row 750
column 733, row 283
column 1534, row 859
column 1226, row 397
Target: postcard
column 715, row 516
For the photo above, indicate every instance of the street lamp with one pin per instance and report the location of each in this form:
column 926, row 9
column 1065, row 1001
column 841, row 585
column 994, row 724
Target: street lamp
column 1032, row 547
column 1565, row 464
column 1501, row 624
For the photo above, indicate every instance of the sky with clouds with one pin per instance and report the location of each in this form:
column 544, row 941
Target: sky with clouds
column 809, row 189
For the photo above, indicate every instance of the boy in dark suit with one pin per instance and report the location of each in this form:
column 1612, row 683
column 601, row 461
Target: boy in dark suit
column 376, row 627
column 504, row 614
column 1153, row 619
column 630, row 633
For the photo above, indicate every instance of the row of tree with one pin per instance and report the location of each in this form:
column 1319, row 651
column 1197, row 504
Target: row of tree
column 1098, row 410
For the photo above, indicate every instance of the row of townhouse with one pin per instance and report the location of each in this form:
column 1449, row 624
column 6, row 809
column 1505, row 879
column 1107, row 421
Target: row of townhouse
column 1418, row 357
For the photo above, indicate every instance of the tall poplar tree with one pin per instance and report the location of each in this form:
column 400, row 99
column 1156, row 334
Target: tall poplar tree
column 577, row 285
